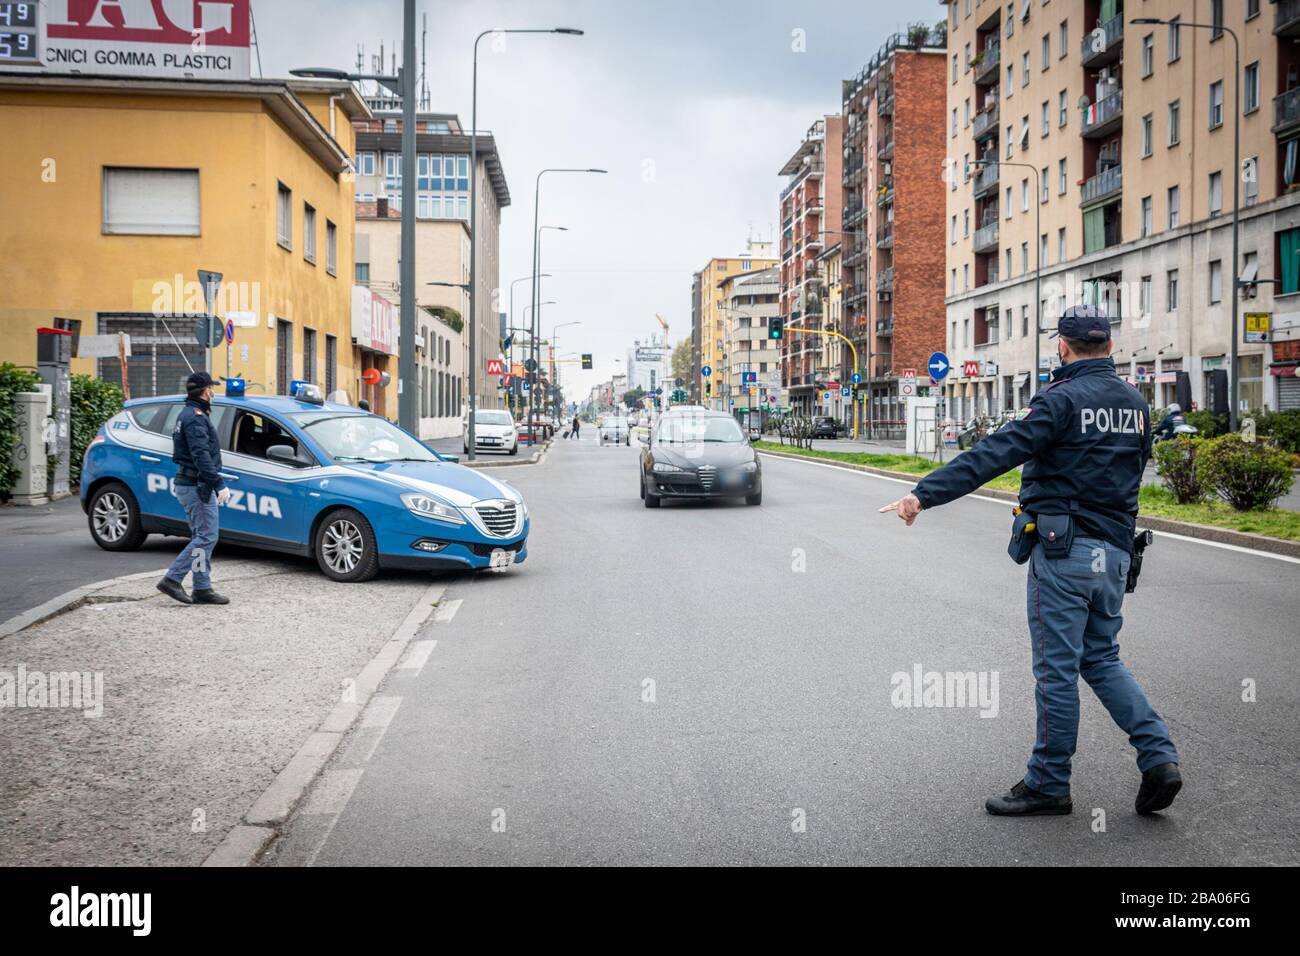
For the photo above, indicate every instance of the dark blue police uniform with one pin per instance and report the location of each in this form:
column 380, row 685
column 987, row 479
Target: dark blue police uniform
column 1084, row 444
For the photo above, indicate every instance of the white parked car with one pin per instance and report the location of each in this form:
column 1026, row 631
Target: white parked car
column 494, row 430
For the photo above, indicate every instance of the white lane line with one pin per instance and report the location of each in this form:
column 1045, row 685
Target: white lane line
column 331, row 794
column 417, row 656
column 445, row 611
column 998, row 501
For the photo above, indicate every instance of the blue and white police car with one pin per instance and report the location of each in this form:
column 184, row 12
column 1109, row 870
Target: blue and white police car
column 307, row 477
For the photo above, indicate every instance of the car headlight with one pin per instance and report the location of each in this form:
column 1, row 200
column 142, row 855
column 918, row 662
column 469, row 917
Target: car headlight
column 431, row 508
column 748, row 467
column 663, row 467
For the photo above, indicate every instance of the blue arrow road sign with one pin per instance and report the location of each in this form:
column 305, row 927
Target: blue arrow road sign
column 856, row 378
column 939, row 366
column 706, row 371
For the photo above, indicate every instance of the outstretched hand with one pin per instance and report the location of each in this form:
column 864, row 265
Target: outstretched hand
column 908, row 507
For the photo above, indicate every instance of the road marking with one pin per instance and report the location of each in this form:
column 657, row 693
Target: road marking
column 417, row 656
column 999, row 501
column 446, row 611
column 331, row 794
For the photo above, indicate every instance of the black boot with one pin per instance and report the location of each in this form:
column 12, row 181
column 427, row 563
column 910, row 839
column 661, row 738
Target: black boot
column 173, row 589
column 1160, row 785
column 1021, row 801
column 209, row 596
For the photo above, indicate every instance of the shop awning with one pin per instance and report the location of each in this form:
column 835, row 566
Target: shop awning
column 1288, row 368
column 1020, row 379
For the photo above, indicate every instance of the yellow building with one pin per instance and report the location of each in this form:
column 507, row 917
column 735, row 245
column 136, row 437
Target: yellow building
column 117, row 191
column 710, row 318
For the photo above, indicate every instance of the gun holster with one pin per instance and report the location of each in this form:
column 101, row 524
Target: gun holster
column 1140, row 542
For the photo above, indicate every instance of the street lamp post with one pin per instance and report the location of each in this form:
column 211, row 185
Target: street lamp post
column 534, row 354
column 510, row 358
column 537, row 192
column 537, row 320
column 1233, row 383
column 473, row 201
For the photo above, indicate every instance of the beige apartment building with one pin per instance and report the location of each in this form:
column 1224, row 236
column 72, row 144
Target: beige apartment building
column 709, row 319
column 1108, row 169
column 750, row 299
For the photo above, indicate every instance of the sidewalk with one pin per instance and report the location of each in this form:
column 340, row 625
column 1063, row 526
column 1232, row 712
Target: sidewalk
column 201, row 708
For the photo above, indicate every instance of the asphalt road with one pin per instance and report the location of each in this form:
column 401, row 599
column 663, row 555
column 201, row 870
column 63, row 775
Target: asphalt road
column 530, row 734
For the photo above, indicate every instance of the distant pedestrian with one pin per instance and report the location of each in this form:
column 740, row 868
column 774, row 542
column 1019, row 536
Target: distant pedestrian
column 196, row 450
column 577, row 426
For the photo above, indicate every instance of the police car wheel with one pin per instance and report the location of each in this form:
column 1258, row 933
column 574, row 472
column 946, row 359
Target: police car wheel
column 114, row 518
column 345, row 547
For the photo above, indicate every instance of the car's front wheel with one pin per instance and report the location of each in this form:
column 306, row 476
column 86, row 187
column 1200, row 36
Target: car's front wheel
column 514, row 449
column 114, row 518
column 755, row 499
column 652, row 500
column 345, row 547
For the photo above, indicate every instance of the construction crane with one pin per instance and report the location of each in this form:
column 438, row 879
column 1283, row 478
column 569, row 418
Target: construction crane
column 664, row 325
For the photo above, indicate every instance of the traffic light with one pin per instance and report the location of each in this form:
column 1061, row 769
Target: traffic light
column 775, row 328
column 586, row 360
column 708, row 388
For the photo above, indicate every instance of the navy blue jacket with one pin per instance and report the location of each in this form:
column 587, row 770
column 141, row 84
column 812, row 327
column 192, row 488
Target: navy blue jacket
column 196, row 449
column 1084, row 445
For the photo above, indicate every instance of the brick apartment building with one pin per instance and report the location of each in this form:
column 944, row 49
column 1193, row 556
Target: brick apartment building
column 893, row 219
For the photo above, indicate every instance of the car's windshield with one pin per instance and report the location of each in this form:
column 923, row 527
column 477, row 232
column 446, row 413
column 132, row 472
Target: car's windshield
column 691, row 428
column 489, row 417
column 616, row 423
column 347, row 437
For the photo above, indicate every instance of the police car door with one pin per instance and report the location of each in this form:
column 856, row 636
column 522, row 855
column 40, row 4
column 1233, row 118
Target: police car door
column 266, row 496
column 140, row 453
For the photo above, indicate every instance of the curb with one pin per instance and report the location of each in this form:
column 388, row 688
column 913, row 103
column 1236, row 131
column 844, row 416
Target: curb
column 260, row 825
column 67, row 601
column 1203, row 532
column 533, row 459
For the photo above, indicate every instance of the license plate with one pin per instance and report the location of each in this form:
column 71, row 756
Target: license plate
column 501, row 559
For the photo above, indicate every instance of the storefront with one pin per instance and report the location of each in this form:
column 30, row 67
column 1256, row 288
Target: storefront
column 374, row 347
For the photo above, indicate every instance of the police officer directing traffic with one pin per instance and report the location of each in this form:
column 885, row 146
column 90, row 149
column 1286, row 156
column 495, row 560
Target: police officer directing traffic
column 1084, row 444
column 196, row 450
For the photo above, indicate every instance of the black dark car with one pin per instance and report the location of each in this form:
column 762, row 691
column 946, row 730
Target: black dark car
column 826, row 427
column 699, row 455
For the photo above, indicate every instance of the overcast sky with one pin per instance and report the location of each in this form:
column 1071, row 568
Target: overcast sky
column 693, row 107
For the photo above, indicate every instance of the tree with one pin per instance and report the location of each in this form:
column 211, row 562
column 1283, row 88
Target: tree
column 632, row 397
column 681, row 360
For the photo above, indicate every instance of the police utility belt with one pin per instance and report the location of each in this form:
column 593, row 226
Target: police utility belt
column 1055, row 533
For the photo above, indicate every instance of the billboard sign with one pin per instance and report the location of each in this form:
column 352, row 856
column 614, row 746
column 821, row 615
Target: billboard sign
column 374, row 321
column 161, row 39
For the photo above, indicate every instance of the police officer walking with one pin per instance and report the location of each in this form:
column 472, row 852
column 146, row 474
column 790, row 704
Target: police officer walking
column 196, row 450
column 1084, row 444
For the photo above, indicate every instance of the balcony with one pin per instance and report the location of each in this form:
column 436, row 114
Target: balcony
column 1103, row 45
column 885, row 147
column 985, row 65
column 986, row 238
column 986, row 123
column 1105, row 185
column 885, row 327
column 985, row 180
column 885, row 280
column 1286, row 111
column 885, row 237
column 885, row 194
column 885, row 99
column 1103, row 117
column 1286, row 18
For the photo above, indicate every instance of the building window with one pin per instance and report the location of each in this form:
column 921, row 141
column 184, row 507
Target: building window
column 1144, row 296
column 1042, row 250
column 1045, row 120
column 965, row 221
column 954, row 121
column 1250, row 88
column 965, row 119
column 1250, row 180
column 1146, row 216
column 1046, row 50
column 309, row 233
column 331, row 248
column 1171, row 199
column 363, row 273
column 954, row 68
column 1011, row 143
column 1216, row 193
column 1148, row 55
column 365, row 164
column 1063, row 38
column 1062, row 109
column 1216, row 281
column 150, row 202
column 1011, row 80
column 1146, row 136
column 1175, row 38
column 1216, row 104
column 1024, row 69
column 331, row 364
column 1060, row 177
column 284, row 216
column 1044, row 184
column 1252, row 9
column 1024, row 320
column 1024, row 195
column 1216, row 19
column 309, row 355
column 1024, row 257
column 1171, row 290
column 1175, row 133
column 1060, row 244
column 1006, row 206
column 1008, row 275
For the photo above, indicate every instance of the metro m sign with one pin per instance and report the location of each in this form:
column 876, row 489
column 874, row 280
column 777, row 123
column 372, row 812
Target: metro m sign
column 495, row 366
column 176, row 39
column 970, row 369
